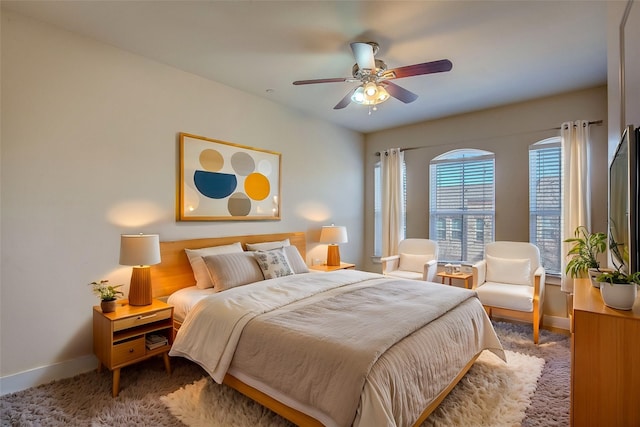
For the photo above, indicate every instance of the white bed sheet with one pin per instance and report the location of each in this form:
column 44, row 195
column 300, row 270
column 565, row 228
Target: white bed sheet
column 184, row 299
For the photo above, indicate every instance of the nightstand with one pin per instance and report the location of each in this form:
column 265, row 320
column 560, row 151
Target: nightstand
column 325, row 267
column 119, row 337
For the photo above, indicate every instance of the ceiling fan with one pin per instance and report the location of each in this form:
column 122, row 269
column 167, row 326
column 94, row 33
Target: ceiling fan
column 374, row 77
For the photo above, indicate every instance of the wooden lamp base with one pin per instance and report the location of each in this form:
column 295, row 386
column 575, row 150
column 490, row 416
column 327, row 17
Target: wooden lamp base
column 333, row 255
column 140, row 287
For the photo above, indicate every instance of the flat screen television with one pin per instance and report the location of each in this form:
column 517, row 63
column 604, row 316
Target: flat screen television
column 624, row 192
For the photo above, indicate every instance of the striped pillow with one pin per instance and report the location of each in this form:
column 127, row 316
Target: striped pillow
column 234, row 269
column 200, row 272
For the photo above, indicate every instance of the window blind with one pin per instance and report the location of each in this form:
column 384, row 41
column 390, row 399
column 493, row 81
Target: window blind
column 545, row 202
column 462, row 208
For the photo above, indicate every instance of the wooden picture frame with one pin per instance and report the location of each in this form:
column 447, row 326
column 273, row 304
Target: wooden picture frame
column 222, row 181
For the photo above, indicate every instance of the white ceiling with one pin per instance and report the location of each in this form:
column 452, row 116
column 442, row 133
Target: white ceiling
column 502, row 51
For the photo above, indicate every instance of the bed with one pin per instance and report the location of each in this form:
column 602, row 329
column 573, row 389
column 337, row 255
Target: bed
column 335, row 349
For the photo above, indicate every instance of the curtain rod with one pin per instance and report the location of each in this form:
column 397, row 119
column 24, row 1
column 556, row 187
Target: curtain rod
column 595, row 122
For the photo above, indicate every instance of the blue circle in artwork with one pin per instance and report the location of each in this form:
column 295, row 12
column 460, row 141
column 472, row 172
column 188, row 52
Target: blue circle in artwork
column 215, row 185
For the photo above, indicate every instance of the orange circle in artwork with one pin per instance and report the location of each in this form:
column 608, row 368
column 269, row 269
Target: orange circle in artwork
column 257, row 186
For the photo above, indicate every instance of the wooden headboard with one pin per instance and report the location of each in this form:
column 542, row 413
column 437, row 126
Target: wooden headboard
column 174, row 271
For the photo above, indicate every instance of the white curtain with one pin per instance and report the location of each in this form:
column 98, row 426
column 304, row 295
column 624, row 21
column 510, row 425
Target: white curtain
column 576, row 188
column 391, row 162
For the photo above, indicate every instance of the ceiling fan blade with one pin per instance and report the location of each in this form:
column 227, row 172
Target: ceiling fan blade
column 346, row 100
column 418, row 69
column 309, row 82
column 363, row 52
column 399, row 93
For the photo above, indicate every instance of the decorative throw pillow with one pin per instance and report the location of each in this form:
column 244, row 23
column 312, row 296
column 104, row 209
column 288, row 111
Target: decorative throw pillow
column 507, row 270
column 266, row 246
column 200, row 272
column 413, row 262
column 273, row 263
column 232, row 269
column 295, row 260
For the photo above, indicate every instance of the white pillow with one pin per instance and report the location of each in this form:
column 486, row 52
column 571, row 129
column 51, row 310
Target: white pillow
column 273, row 263
column 295, row 260
column 232, row 269
column 266, row 246
column 413, row 262
column 507, row 270
column 200, row 272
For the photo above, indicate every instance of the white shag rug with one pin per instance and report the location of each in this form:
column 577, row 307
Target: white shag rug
column 492, row 394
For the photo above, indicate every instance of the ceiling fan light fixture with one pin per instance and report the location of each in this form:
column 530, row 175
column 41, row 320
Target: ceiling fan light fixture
column 383, row 95
column 358, row 95
column 370, row 90
column 370, row 94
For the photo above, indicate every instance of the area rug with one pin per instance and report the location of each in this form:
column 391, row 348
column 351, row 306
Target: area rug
column 493, row 393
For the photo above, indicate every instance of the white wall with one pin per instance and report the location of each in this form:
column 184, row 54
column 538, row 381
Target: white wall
column 506, row 131
column 631, row 63
column 89, row 151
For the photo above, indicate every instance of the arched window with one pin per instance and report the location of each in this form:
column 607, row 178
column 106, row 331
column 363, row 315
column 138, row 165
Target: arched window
column 462, row 204
column 545, row 201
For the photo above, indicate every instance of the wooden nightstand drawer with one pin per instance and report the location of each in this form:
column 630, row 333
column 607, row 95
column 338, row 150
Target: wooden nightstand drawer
column 143, row 319
column 128, row 350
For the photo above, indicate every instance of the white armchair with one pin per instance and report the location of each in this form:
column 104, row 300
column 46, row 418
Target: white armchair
column 510, row 281
column 417, row 259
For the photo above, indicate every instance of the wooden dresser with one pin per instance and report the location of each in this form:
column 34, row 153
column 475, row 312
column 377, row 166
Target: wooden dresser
column 605, row 361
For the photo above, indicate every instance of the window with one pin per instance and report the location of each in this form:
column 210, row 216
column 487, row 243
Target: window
column 479, row 230
column 442, row 229
column 545, row 201
column 462, row 203
column 377, row 206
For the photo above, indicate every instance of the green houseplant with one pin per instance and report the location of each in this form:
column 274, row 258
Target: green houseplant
column 107, row 293
column 619, row 289
column 620, row 278
column 584, row 253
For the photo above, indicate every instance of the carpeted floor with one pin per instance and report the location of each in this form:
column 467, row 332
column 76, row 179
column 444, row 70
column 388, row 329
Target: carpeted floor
column 85, row 400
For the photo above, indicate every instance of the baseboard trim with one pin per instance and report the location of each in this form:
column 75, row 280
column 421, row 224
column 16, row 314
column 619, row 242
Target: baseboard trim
column 46, row 374
column 548, row 322
column 556, row 322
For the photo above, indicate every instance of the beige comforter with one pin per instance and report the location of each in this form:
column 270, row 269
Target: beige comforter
column 313, row 340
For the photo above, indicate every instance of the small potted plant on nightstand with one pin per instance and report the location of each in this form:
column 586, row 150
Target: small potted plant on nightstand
column 618, row 289
column 107, row 293
column 584, row 254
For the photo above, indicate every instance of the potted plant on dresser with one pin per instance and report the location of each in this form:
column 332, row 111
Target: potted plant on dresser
column 618, row 289
column 584, row 254
column 108, row 295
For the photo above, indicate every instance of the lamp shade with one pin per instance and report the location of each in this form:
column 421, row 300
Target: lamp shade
column 333, row 234
column 139, row 249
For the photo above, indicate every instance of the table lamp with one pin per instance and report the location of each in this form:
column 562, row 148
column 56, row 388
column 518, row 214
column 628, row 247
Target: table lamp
column 140, row 251
column 333, row 234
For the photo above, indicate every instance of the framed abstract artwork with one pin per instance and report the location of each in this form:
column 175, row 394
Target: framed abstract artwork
column 224, row 181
